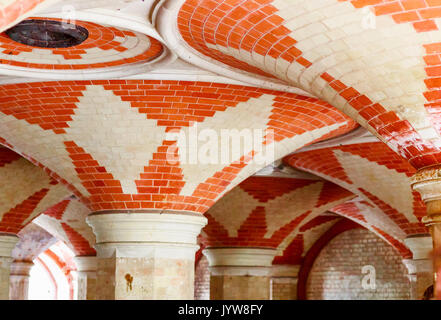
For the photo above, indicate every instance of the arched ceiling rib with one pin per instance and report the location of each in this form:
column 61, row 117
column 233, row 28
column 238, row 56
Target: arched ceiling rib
column 384, row 76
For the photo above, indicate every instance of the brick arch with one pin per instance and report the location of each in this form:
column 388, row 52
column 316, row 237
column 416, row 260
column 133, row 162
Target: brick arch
column 33, row 241
column 268, row 38
column 268, row 211
column 26, row 191
column 356, row 211
column 349, row 165
column 311, row 230
column 61, row 264
column 157, row 107
column 66, row 221
column 308, row 233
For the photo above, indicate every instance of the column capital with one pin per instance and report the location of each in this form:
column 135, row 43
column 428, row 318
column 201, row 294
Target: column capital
column 285, row 271
column 427, row 182
column 7, row 244
column 142, row 233
column 21, row 268
column 85, row 277
column 240, row 261
column 418, row 266
column 86, row 264
column 420, row 246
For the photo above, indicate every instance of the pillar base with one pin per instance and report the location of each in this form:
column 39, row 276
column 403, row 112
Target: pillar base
column 240, row 273
column 146, row 254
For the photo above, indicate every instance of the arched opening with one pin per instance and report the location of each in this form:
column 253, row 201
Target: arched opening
column 51, row 277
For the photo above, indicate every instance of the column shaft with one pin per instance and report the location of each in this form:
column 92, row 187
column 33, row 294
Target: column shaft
column 146, row 255
column 5, row 264
column 240, row 273
column 19, row 280
column 284, row 282
column 435, row 230
column 85, row 277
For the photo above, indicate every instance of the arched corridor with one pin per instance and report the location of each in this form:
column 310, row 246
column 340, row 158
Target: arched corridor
column 220, row 150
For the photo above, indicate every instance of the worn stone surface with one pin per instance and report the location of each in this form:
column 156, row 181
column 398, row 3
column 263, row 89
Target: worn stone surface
column 86, row 285
column 144, row 279
column 239, row 288
column 33, row 241
column 5, row 263
column 19, row 280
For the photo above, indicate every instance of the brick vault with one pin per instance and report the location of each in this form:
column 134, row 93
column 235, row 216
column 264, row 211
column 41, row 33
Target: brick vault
column 220, row 149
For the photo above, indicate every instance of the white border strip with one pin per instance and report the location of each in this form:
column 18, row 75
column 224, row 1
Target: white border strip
column 168, row 12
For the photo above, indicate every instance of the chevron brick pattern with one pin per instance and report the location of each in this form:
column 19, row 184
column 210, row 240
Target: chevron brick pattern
column 374, row 172
column 66, row 221
column 356, row 211
column 109, row 141
column 25, row 191
column 268, row 211
column 305, row 44
column 307, row 235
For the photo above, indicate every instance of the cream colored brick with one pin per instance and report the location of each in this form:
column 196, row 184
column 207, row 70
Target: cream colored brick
column 390, row 186
column 233, row 210
column 122, row 131
column 251, row 115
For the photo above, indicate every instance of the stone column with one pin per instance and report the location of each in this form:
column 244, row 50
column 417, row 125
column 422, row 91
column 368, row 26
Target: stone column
column 85, row 277
column 420, row 267
column 145, row 255
column 284, row 282
column 7, row 244
column 19, row 280
column 240, row 273
column 427, row 182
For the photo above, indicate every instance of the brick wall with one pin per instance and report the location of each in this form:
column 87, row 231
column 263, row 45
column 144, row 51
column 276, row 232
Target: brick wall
column 284, row 288
column 337, row 271
column 202, row 280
